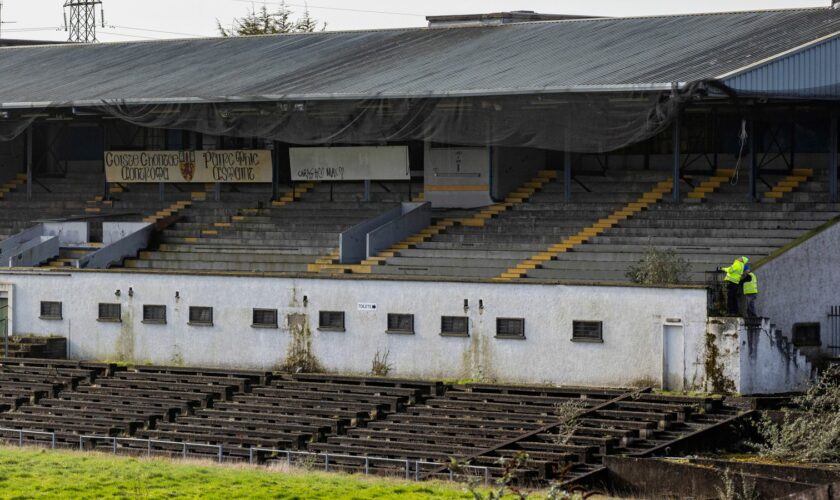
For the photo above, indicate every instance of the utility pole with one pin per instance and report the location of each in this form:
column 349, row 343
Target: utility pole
column 2, row 22
column 81, row 22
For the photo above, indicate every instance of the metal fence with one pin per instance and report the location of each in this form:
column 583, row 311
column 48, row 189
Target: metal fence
column 412, row 469
column 715, row 293
column 834, row 330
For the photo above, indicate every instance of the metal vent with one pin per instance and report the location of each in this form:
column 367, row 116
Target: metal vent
column 266, row 318
column 50, row 310
column 510, row 327
column 110, row 312
column 454, row 325
column 587, row 330
column 331, row 320
column 202, row 316
column 154, row 314
column 400, row 323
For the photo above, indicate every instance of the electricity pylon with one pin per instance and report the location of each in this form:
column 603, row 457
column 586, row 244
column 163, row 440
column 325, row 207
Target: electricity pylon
column 81, row 22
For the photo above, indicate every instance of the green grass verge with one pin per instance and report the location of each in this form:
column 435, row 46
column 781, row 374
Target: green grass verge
column 31, row 473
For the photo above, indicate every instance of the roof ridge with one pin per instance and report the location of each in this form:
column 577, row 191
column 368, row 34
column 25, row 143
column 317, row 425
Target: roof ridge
column 687, row 14
column 420, row 28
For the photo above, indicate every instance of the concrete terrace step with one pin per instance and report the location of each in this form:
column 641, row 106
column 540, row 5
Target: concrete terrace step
column 443, row 272
column 700, row 242
column 216, row 266
column 249, row 250
column 261, row 243
column 596, row 275
column 206, row 257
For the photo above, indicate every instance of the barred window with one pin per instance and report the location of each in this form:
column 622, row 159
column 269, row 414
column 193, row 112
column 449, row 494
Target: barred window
column 400, row 323
column 50, row 310
column 455, row 326
column 331, row 320
column 110, row 313
column 587, row 331
column 512, row 328
column 201, row 316
column 154, row 314
column 265, row 318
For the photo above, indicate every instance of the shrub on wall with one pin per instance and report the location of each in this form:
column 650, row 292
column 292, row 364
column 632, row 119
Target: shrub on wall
column 658, row 267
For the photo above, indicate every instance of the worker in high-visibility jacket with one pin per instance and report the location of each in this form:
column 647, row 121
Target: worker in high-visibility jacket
column 751, row 293
column 734, row 275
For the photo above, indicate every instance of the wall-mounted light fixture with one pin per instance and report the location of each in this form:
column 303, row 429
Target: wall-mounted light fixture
column 305, row 301
column 466, row 305
column 118, row 293
column 130, row 291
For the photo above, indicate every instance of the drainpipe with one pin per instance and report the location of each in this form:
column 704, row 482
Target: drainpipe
column 832, row 176
column 676, row 144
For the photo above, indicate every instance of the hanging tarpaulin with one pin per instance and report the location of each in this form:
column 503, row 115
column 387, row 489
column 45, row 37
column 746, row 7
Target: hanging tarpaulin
column 586, row 123
column 240, row 166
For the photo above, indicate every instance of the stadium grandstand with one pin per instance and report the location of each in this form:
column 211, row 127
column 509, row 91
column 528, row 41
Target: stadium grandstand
column 465, row 200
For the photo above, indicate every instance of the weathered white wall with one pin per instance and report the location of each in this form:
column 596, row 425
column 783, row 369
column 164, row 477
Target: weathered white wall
column 751, row 361
column 771, row 364
column 800, row 285
column 630, row 354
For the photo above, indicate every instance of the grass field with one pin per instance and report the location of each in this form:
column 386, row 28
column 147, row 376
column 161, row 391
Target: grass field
column 32, row 473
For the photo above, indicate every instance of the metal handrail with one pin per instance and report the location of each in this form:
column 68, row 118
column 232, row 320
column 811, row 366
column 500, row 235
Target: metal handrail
column 368, row 460
column 252, row 451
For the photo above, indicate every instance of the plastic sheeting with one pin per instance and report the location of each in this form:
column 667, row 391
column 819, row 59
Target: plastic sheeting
column 12, row 128
column 584, row 123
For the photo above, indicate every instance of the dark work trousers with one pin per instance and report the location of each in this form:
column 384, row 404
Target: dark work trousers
column 732, row 290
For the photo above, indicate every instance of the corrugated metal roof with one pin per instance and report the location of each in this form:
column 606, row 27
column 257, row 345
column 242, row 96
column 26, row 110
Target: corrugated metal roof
column 812, row 71
column 555, row 56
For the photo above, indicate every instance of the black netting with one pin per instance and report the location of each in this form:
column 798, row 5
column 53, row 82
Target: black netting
column 11, row 128
column 584, row 123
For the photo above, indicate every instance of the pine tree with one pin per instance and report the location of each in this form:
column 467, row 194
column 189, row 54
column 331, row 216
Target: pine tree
column 263, row 22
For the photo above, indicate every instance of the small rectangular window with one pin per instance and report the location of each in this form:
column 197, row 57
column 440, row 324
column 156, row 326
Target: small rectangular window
column 455, row 326
column 806, row 335
column 587, row 331
column 51, row 310
column 400, row 323
column 201, row 316
column 111, row 313
column 510, row 328
column 155, row 315
column 331, row 321
column 265, row 318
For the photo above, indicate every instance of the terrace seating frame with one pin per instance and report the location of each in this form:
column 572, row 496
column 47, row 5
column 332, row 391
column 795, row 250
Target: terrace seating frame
column 411, row 473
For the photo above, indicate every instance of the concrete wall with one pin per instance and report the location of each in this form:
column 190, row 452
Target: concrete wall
column 630, row 354
column 750, row 361
column 800, row 285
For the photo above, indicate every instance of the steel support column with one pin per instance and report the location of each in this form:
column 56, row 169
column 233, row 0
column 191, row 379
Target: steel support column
column 29, row 137
column 676, row 152
column 274, row 170
column 567, row 176
column 753, row 160
column 832, row 175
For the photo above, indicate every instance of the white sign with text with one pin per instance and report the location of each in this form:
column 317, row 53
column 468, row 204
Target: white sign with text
column 351, row 163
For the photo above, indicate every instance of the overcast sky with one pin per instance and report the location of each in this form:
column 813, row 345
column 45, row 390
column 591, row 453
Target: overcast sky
column 153, row 19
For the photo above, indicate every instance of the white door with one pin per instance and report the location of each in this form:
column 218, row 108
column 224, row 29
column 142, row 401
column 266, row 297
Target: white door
column 673, row 358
